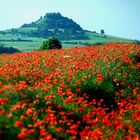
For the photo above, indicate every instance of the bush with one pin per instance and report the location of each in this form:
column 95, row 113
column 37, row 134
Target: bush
column 10, row 50
column 51, row 43
column 137, row 42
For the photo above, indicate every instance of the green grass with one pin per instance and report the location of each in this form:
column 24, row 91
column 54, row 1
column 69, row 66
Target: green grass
column 26, row 29
column 36, row 42
column 95, row 38
column 23, row 46
column 8, row 36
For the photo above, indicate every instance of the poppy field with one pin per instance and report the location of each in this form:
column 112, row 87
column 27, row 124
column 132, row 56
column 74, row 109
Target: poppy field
column 81, row 93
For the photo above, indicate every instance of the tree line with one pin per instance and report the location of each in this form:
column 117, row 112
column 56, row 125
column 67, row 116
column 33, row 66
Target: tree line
column 9, row 50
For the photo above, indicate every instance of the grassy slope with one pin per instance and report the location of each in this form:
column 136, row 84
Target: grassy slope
column 36, row 42
column 23, row 45
column 98, row 37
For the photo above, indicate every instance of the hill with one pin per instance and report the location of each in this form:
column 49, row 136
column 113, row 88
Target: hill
column 52, row 24
column 30, row 36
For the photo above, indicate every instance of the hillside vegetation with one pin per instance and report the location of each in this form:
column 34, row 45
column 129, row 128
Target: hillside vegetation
column 52, row 24
column 82, row 93
column 9, row 50
column 30, row 36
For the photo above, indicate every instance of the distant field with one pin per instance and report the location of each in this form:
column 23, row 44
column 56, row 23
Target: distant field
column 23, row 46
column 10, row 41
column 31, row 43
column 95, row 37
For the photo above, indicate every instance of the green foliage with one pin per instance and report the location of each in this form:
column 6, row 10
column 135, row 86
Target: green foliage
column 70, row 94
column 52, row 24
column 52, row 43
column 33, row 43
column 137, row 42
column 7, row 49
column 102, row 31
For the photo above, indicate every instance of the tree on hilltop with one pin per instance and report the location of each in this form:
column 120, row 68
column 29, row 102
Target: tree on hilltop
column 102, row 31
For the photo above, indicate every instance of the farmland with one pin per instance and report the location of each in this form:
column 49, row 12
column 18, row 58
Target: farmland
column 28, row 43
column 81, row 93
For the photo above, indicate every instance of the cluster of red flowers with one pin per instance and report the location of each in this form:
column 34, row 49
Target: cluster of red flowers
column 87, row 93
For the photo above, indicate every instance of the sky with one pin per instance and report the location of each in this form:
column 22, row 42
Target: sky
column 117, row 17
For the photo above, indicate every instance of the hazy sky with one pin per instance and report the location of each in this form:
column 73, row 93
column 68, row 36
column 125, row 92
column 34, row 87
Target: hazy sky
column 116, row 17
